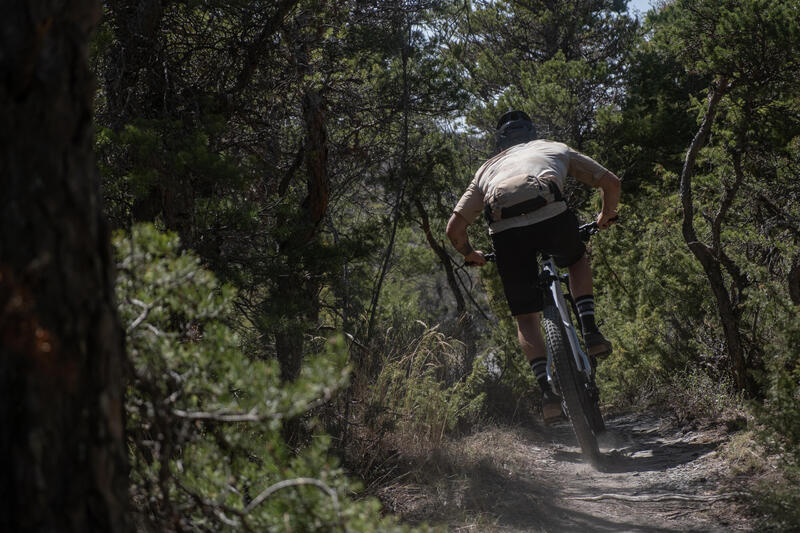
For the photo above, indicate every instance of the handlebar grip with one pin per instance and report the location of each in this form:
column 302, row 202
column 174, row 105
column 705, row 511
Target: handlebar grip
column 587, row 230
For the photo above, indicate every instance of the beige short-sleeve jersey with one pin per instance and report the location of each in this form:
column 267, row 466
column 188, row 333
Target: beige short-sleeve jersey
column 546, row 161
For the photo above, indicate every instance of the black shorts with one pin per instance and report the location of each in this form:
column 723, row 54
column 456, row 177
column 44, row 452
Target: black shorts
column 517, row 251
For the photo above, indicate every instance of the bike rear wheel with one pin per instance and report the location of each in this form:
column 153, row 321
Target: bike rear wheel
column 571, row 386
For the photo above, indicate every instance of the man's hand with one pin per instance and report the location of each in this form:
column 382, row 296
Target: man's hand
column 457, row 233
column 609, row 191
column 605, row 221
column 475, row 258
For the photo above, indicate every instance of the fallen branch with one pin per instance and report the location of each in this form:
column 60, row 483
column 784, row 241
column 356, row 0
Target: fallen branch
column 225, row 416
column 269, row 491
column 253, row 415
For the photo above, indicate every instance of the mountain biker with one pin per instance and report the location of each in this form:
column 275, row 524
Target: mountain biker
column 519, row 190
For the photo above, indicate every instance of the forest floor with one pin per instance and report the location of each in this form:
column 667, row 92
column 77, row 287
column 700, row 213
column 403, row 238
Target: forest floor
column 660, row 477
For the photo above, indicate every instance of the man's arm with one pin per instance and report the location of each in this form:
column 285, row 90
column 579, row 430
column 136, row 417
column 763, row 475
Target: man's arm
column 587, row 170
column 457, row 233
column 610, row 186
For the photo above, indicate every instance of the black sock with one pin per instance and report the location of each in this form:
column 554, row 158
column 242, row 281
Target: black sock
column 539, row 367
column 585, row 305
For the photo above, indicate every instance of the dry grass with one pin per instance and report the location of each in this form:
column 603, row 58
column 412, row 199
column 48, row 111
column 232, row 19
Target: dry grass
column 466, row 482
column 693, row 397
column 745, row 454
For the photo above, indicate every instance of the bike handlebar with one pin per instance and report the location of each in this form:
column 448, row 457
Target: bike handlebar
column 587, row 230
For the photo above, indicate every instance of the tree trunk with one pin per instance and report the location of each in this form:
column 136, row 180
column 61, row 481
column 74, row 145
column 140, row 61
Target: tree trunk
column 708, row 257
column 465, row 322
column 299, row 288
column 62, row 446
column 134, row 79
column 376, row 292
column 137, row 87
column 793, row 280
column 441, row 253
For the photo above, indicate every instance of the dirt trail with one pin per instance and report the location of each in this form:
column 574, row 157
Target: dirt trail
column 659, row 478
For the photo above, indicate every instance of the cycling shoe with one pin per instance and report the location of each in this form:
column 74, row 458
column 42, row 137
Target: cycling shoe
column 597, row 345
column 551, row 407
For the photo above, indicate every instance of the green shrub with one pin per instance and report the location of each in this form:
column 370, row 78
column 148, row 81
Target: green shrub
column 204, row 420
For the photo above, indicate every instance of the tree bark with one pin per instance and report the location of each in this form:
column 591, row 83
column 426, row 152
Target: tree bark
column 62, row 445
column 710, row 257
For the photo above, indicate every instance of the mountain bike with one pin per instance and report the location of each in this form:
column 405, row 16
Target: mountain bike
column 570, row 371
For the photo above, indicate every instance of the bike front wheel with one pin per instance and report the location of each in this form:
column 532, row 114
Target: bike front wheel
column 592, row 406
column 571, row 385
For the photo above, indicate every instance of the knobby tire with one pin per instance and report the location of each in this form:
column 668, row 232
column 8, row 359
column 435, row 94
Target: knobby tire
column 594, row 414
column 570, row 385
column 591, row 395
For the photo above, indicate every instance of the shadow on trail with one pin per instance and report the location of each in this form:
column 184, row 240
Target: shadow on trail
column 629, row 445
column 568, row 457
column 661, row 457
column 528, row 504
column 644, row 446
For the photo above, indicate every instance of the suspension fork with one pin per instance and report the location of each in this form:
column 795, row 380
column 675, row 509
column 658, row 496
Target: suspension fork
column 592, row 362
column 570, row 299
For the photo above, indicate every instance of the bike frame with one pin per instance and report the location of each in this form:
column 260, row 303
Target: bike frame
column 550, row 274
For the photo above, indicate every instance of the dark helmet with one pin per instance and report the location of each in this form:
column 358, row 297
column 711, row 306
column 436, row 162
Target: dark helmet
column 514, row 127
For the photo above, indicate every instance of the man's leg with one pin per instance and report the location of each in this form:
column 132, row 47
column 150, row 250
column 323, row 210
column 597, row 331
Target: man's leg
column 532, row 342
column 580, row 284
column 580, row 277
column 530, row 336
